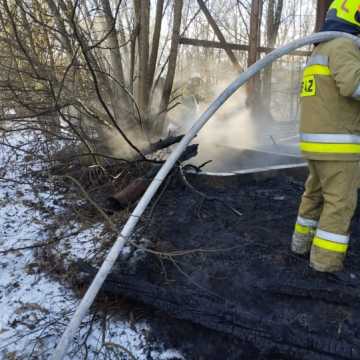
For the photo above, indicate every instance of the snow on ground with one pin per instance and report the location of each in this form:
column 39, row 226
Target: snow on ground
column 35, row 308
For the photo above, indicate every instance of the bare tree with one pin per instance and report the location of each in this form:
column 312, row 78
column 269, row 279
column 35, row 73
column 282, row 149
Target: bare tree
column 254, row 42
column 178, row 6
column 72, row 63
column 273, row 20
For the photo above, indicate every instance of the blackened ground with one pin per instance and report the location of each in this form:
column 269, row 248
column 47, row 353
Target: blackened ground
column 231, row 281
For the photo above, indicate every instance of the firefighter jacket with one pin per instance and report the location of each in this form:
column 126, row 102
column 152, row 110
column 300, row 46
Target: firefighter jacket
column 330, row 102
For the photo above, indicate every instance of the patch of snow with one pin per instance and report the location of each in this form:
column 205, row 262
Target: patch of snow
column 171, row 355
column 34, row 308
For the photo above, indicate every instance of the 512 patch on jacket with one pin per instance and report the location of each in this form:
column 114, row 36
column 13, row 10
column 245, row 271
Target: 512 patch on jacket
column 308, row 86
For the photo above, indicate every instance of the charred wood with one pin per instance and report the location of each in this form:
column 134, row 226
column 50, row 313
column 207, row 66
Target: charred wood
column 239, row 47
column 236, row 319
column 131, row 193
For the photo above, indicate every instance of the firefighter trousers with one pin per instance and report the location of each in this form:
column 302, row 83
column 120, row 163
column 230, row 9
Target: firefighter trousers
column 327, row 207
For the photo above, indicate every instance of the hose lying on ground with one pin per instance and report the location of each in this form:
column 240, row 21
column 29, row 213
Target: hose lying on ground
column 128, row 229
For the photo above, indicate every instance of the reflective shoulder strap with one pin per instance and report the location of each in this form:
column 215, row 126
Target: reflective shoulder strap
column 317, row 70
column 318, row 64
column 318, row 59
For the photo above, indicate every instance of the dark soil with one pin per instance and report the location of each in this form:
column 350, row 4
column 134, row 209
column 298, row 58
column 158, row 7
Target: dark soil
column 231, row 282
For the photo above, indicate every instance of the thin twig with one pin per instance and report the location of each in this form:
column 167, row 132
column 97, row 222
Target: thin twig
column 204, row 196
column 42, row 244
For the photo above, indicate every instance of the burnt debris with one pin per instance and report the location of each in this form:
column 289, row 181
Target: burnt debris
column 234, row 278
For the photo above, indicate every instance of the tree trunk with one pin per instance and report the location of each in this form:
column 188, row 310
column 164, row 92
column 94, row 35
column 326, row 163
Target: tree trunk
column 254, row 42
column 112, row 42
column 64, row 37
column 178, row 6
column 322, row 8
column 142, row 11
column 273, row 20
column 156, row 40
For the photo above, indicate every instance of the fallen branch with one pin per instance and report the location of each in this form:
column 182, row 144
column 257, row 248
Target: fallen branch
column 206, row 197
column 130, row 194
column 39, row 245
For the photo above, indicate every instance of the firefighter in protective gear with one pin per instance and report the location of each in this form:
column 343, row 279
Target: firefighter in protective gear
column 330, row 141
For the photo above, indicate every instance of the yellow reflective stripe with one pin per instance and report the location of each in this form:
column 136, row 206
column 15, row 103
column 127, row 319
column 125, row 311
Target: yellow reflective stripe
column 330, row 246
column 303, row 230
column 330, row 148
column 317, row 70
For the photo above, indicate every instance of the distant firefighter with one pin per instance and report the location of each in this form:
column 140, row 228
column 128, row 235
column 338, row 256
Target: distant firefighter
column 330, row 141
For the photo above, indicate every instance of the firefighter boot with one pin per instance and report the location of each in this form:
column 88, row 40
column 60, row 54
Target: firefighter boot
column 303, row 236
column 301, row 243
column 328, row 251
column 326, row 261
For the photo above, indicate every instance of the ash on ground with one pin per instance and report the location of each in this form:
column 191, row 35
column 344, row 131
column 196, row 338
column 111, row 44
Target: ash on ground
column 231, row 281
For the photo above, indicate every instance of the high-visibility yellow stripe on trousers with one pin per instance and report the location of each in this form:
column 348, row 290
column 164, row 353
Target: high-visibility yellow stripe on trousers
column 305, row 226
column 331, row 241
column 330, row 143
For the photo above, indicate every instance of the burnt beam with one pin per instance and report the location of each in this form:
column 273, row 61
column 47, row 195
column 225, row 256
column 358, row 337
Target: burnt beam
column 232, row 46
column 219, row 35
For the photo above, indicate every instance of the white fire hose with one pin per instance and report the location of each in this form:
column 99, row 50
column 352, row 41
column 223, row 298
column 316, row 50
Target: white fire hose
column 128, row 229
